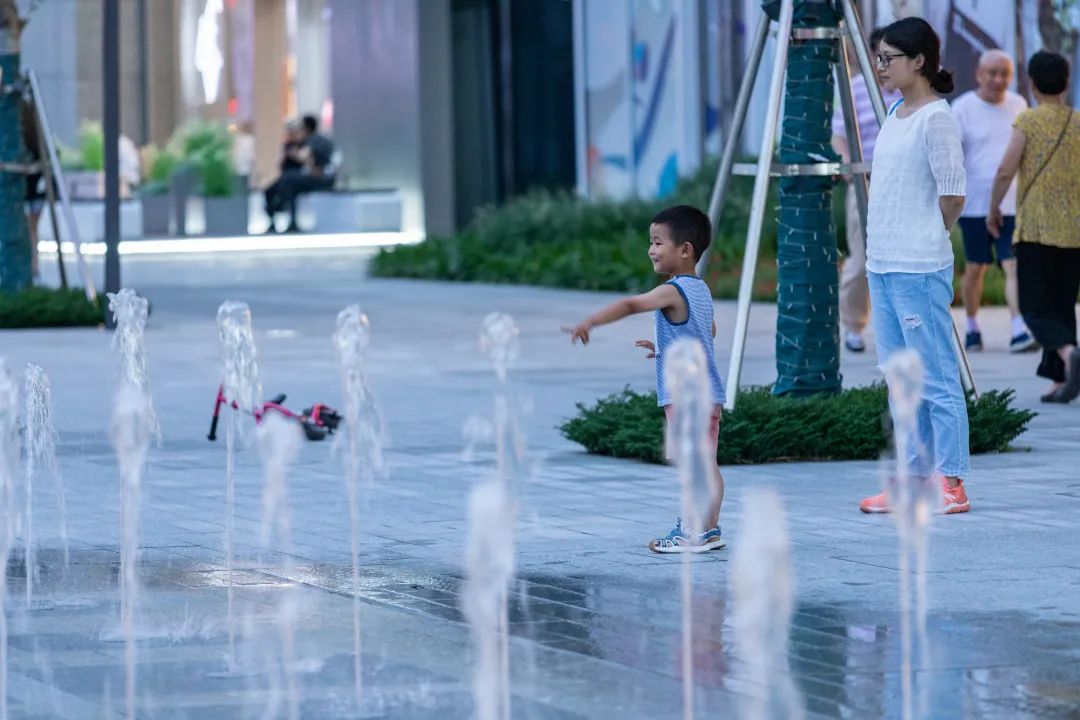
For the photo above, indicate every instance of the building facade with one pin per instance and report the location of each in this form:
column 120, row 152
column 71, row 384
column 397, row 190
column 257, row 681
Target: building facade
column 457, row 104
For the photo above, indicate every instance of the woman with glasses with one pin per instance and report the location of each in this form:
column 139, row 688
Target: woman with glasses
column 917, row 186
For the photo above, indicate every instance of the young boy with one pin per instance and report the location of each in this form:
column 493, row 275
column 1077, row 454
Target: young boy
column 683, row 308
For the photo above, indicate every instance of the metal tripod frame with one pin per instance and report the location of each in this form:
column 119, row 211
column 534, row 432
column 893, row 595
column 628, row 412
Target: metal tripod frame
column 849, row 31
column 54, row 177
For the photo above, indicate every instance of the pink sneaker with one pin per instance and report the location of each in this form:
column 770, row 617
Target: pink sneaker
column 956, row 499
column 877, row 504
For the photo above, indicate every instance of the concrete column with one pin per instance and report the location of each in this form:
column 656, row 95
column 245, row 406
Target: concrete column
column 88, row 67
column 269, row 99
column 50, row 46
column 163, row 60
column 393, row 115
column 437, row 117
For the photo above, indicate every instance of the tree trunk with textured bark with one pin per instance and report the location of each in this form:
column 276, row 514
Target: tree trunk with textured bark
column 807, row 324
column 14, row 234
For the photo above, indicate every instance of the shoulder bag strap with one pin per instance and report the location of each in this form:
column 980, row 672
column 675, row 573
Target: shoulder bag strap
column 1038, row 173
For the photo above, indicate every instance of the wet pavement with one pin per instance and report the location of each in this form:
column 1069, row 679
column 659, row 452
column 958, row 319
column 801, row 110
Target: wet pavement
column 594, row 617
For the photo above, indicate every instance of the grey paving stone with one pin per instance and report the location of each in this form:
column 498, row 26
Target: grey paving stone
column 595, row 618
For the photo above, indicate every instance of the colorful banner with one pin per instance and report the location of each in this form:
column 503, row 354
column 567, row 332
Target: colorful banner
column 641, row 95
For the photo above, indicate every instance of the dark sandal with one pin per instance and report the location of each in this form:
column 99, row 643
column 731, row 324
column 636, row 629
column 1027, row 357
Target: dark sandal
column 1071, row 388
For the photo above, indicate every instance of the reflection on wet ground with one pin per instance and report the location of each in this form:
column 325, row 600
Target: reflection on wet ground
column 65, row 654
column 595, row 617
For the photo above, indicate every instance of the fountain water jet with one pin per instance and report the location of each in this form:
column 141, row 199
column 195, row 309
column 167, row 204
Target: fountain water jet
column 9, row 470
column 492, row 512
column 280, row 441
column 134, row 422
column 240, row 383
column 913, row 494
column 764, row 596
column 364, row 444
column 39, row 453
column 130, row 312
column 131, row 434
column 686, row 376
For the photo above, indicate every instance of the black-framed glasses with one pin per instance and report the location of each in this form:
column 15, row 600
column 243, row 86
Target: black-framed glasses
column 883, row 60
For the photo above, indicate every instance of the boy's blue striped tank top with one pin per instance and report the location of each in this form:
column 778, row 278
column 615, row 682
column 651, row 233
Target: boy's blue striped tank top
column 698, row 325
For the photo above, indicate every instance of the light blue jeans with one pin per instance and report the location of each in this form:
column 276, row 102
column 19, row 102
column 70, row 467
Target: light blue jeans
column 911, row 310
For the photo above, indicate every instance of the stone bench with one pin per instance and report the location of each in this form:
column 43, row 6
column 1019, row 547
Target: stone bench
column 335, row 211
column 332, row 211
column 90, row 217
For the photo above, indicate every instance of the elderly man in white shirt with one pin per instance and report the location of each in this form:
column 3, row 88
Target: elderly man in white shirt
column 985, row 117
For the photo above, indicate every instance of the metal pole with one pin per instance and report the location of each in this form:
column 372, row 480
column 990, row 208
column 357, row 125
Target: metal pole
column 144, row 76
column 581, row 119
column 111, row 77
column 628, row 89
column 731, row 142
column 61, row 186
column 967, row 377
column 50, row 191
column 757, row 205
column 855, row 32
column 506, row 97
column 851, row 125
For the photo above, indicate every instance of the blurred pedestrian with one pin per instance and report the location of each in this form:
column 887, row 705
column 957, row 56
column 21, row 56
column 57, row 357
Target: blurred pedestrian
column 1045, row 149
column 985, row 117
column 34, row 193
column 854, row 293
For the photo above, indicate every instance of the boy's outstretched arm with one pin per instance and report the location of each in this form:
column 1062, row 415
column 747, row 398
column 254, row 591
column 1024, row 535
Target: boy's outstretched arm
column 659, row 298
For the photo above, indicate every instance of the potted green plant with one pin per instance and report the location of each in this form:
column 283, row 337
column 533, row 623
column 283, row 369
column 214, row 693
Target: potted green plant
column 154, row 193
column 207, row 169
column 225, row 205
column 84, row 166
column 85, row 171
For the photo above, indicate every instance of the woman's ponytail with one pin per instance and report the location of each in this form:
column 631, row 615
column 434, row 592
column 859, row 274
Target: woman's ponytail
column 942, row 82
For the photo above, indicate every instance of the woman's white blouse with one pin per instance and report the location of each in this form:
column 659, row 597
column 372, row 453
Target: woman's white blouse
column 917, row 159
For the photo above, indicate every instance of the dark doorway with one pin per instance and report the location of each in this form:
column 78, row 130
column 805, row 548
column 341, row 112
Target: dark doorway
column 513, row 99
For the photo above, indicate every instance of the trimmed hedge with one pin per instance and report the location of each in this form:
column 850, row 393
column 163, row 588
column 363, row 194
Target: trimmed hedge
column 852, row 425
column 48, row 307
column 556, row 239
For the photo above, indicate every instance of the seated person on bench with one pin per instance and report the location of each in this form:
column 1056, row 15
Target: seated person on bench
column 305, row 168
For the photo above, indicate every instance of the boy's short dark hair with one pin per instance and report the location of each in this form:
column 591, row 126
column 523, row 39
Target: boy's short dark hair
column 687, row 224
column 311, row 124
column 1049, row 72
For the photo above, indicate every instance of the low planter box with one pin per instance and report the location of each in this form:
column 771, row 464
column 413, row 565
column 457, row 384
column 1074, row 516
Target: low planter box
column 226, row 215
column 156, row 214
column 90, row 185
column 182, row 186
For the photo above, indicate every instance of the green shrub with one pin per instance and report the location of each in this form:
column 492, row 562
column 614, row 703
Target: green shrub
column 218, row 175
column 763, row 428
column 199, row 138
column 207, row 147
column 556, row 239
column 993, row 284
column 92, row 146
column 47, row 307
column 163, row 164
